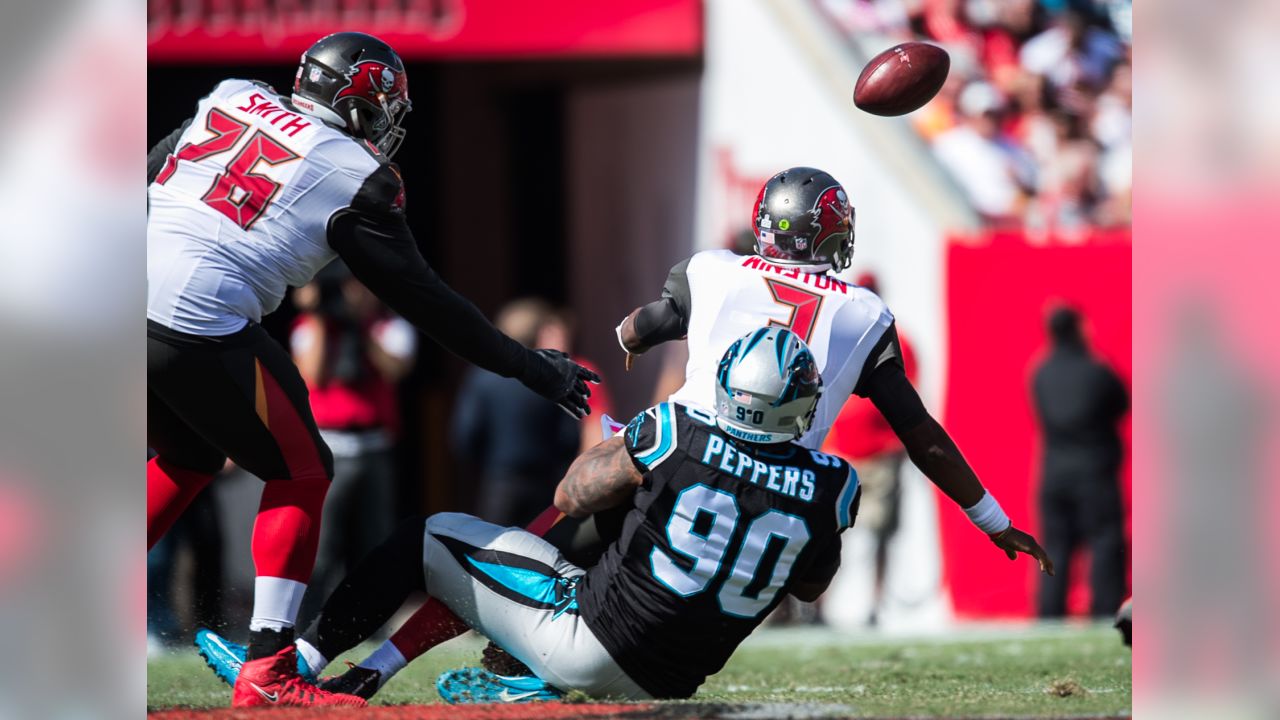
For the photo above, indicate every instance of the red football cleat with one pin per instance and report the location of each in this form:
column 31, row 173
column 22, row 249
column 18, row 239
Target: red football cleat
column 274, row 681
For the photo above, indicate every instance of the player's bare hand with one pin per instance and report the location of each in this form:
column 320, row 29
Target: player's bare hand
column 1013, row 541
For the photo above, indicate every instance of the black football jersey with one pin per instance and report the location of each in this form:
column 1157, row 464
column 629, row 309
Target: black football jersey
column 720, row 531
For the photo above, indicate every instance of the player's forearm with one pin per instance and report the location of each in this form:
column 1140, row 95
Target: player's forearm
column 936, row 454
column 601, row 478
column 927, row 443
column 650, row 325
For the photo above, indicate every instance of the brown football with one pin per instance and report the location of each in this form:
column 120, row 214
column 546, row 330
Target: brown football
column 901, row 79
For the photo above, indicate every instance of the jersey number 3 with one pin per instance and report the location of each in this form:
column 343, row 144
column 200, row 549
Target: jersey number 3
column 239, row 193
column 804, row 305
column 701, row 526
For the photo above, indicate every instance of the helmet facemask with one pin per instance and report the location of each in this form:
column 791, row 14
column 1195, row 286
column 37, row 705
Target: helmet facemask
column 839, row 248
column 381, row 124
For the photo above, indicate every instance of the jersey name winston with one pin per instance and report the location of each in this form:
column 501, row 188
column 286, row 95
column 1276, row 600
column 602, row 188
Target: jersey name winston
column 819, row 281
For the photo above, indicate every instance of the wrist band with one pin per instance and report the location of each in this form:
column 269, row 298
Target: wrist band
column 618, row 332
column 988, row 515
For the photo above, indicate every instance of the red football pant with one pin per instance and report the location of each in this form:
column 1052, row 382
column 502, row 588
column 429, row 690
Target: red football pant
column 170, row 489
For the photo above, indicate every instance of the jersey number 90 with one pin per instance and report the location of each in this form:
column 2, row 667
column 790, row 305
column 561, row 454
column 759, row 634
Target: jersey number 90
column 700, row 528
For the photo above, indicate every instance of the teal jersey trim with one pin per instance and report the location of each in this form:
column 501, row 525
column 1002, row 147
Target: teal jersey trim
column 665, row 438
column 844, row 503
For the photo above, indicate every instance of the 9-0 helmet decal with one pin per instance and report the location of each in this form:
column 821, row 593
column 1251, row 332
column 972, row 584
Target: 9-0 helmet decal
column 357, row 83
column 767, row 387
column 802, row 216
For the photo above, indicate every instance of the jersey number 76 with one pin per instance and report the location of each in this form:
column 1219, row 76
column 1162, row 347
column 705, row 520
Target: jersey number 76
column 239, row 193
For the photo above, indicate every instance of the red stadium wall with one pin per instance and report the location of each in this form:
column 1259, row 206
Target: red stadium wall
column 255, row 31
column 998, row 289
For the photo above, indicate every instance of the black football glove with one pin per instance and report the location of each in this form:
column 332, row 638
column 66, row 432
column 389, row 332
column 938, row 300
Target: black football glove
column 556, row 377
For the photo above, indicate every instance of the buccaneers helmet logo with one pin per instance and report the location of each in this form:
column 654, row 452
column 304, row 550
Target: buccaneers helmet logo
column 830, row 214
column 370, row 78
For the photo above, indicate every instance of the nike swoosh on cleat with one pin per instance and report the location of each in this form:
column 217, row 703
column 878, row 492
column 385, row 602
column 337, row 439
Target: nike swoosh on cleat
column 272, row 698
column 233, row 660
column 508, row 696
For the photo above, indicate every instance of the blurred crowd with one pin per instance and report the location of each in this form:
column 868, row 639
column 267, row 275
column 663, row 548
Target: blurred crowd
column 1034, row 122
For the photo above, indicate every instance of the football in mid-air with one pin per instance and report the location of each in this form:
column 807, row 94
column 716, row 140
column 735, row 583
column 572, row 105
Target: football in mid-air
column 901, row 79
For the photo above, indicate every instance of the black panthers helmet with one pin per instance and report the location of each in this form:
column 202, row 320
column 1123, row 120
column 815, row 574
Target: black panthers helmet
column 357, row 83
column 803, row 217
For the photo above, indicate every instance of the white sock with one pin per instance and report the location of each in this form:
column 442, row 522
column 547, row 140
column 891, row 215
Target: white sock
column 387, row 660
column 315, row 660
column 275, row 603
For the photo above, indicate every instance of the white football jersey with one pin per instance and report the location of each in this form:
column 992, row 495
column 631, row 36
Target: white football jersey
column 731, row 295
column 240, row 210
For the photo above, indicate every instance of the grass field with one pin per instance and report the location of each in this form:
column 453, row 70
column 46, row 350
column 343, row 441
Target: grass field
column 1045, row 671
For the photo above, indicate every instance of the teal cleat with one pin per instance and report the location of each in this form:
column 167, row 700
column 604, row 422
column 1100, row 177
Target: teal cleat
column 476, row 685
column 224, row 657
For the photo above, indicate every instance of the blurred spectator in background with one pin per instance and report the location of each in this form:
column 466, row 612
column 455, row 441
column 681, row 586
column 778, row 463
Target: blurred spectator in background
column 1054, row 77
column 862, row 435
column 198, row 535
column 351, row 351
column 991, row 169
column 517, row 443
column 1073, row 54
column 1079, row 401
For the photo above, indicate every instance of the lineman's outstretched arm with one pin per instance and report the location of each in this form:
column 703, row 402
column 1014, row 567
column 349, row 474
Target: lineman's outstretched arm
column 935, row 453
column 381, row 251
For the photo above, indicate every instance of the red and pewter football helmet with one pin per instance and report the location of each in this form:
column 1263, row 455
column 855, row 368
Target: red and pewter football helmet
column 802, row 216
column 357, row 83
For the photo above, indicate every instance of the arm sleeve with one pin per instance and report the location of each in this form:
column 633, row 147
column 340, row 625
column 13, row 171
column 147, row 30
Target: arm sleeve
column 676, row 289
column 374, row 240
column 897, row 400
column 886, row 352
column 667, row 318
column 163, row 149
